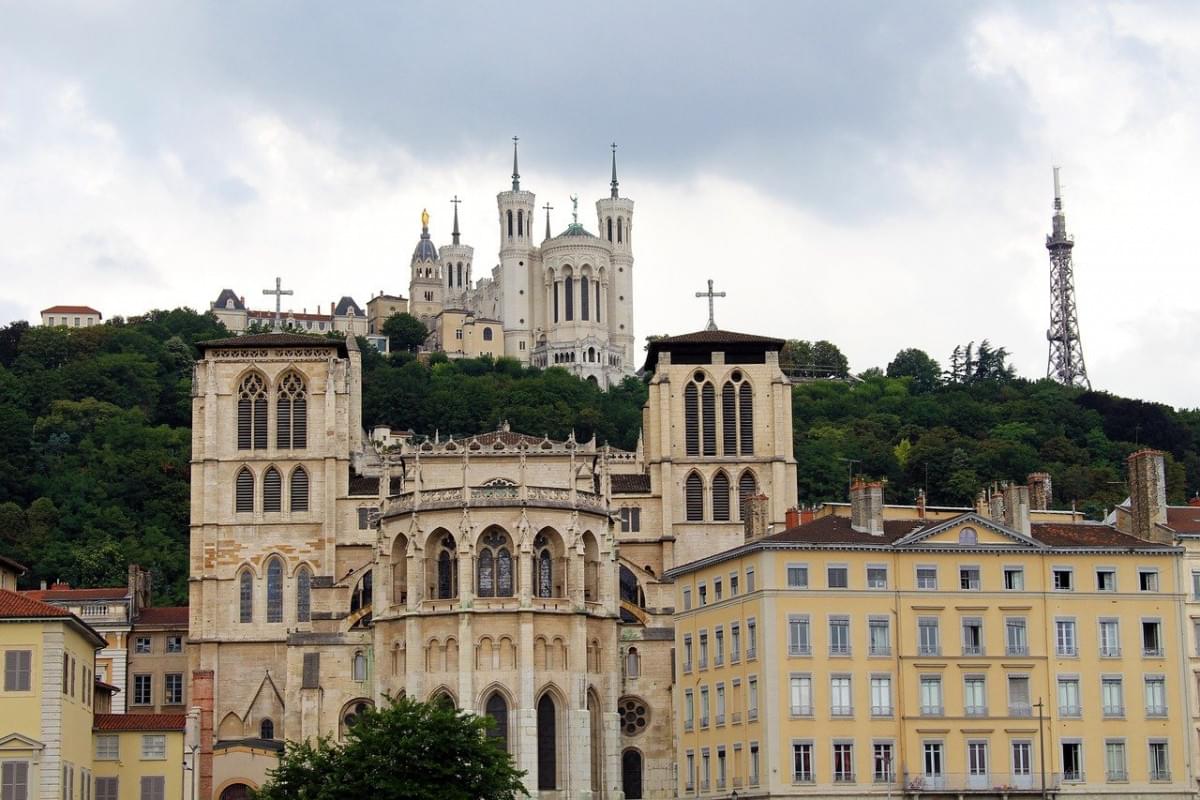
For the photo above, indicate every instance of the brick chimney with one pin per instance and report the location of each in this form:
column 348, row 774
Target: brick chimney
column 755, row 516
column 202, row 697
column 981, row 503
column 996, row 503
column 1040, row 494
column 792, row 518
column 920, row 504
column 1016, row 508
column 1148, row 495
column 866, row 507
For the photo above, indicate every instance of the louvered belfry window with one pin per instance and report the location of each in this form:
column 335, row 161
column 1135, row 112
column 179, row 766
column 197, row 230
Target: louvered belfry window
column 299, row 490
column 720, row 497
column 691, row 419
column 252, row 413
column 747, row 487
column 694, row 498
column 272, row 490
column 244, row 497
column 291, row 413
column 729, row 419
column 708, row 405
column 746, row 412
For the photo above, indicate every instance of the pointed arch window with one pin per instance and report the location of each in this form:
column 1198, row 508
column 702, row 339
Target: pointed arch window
column 274, row 590
column 543, row 567
column 554, row 286
column 691, row 419
column 597, row 300
column 510, row 224
column 729, row 429
column 298, row 490
column 246, row 597
column 694, row 498
column 708, row 404
column 746, row 415
column 252, row 413
column 609, row 223
column 272, row 490
column 447, row 563
column 266, row 729
column 450, row 277
column 304, row 595
column 720, row 497
column 520, row 223
column 359, row 666
column 495, row 576
column 291, row 413
column 497, row 709
column 747, row 487
column 620, row 228
column 244, row 496
column 569, row 294
column 583, row 297
column 547, row 744
column 460, row 283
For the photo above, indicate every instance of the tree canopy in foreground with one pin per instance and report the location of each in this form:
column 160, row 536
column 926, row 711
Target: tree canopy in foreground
column 405, row 751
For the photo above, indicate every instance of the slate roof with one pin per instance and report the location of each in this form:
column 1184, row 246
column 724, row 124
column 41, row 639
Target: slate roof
column 225, row 296
column 139, row 722
column 1091, row 534
column 273, row 340
column 636, row 483
column 163, row 615
column 345, row 304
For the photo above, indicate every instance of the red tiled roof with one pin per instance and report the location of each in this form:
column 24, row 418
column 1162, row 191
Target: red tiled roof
column 110, row 593
column 14, row 605
column 1184, row 519
column 71, row 310
column 165, row 615
column 636, row 483
column 139, row 722
column 1058, row 534
column 837, row 530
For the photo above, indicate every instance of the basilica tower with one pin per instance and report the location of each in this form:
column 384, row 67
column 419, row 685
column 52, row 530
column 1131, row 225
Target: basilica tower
column 516, row 254
column 614, row 215
column 456, row 259
column 426, row 288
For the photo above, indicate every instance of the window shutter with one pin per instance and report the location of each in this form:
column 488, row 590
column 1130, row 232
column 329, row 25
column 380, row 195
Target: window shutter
column 272, row 490
column 729, row 419
column 694, row 498
column 312, row 671
column 747, row 487
column 720, row 497
column 243, row 424
column 260, row 424
column 245, row 491
column 300, row 423
column 708, row 399
column 746, row 410
column 283, row 422
column 691, row 420
column 299, row 490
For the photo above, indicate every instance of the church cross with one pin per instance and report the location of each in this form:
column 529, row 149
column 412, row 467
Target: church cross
column 279, row 292
column 456, row 201
column 548, row 208
column 710, row 294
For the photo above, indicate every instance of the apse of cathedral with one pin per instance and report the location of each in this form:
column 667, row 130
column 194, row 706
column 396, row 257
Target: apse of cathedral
column 562, row 299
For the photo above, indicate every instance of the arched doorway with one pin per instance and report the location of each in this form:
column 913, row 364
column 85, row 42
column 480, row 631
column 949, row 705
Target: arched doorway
column 631, row 774
column 236, row 791
column 547, row 744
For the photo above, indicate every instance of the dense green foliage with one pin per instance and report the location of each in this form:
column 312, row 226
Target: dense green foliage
column 95, row 439
column 405, row 332
column 405, row 751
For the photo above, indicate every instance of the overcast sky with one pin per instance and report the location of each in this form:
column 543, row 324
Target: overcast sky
column 875, row 174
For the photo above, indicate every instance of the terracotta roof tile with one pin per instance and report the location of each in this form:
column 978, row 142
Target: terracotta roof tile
column 139, row 722
column 67, row 595
column 631, row 484
column 1184, row 519
column 836, row 530
column 71, row 310
column 14, row 605
column 1092, row 534
column 164, row 615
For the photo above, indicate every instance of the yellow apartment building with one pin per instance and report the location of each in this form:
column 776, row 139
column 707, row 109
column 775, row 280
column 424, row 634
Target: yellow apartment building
column 141, row 757
column 884, row 656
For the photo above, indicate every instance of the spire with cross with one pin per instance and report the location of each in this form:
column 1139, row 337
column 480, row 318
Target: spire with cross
column 711, row 295
column 614, row 183
column 548, row 208
column 454, row 233
column 516, row 172
column 279, row 292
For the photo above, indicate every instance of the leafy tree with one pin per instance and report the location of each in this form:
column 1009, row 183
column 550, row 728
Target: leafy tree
column 820, row 359
column 912, row 363
column 404, row 332
column 407, row 750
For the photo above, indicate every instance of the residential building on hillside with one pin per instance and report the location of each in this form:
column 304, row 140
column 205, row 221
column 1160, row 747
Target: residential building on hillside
column 71, row 317
column 381, row 307
column 345, row 316
column 889, row 653
column 10, row 572
column 158, row 661
column 142, row 757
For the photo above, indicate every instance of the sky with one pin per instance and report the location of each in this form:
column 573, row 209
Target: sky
column 874, row 174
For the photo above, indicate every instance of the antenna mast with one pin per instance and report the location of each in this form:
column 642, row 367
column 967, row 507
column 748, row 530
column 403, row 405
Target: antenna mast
column 1065, row 361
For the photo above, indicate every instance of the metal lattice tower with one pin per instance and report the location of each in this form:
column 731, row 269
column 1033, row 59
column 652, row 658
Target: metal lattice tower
column 1065, row 362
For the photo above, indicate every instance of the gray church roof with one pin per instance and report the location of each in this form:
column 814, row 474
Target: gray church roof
column 225, row 296
column 575, row 229
column 425, row 251
column 344, row 305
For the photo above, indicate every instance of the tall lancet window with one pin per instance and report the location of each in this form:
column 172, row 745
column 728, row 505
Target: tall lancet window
column 569, row 291
column 720, row 497
column 244, row 496
column 497, row 709
column 298, row 490
column 246, row 597
column 291, row 413
column 495, row 578
column 252, row 413
column 303, row 595
column 543, row 567
column 520, row 223
column 609, row 222
column 708, row 403
column 272, row 490
column 747, row 487
column 746, row 412
column 729, row 430
column 597, row 283
column 691, row 419
column 620, row 228
column 447, row 578
column 694, row 498
column 274, row 590
column 510, row 224
column 554, row 286
column 583, row 297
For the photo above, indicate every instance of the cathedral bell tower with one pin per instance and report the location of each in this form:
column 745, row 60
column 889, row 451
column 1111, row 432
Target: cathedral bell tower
column 614, row 216
column 456, row 261
column 426, row 287
column 516, row 254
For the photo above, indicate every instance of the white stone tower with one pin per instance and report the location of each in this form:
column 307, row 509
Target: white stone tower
column 516, row 252
column 456, row 261
column 615, row 219
column 426, row 288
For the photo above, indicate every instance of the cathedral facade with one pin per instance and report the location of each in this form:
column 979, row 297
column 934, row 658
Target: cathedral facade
column 566, row 300
column 511, row 575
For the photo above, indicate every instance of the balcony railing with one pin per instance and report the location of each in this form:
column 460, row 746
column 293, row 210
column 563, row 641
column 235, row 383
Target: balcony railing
column 1020, row 710
column 972, row 650
column 801, row 711
column 1114, row 711
column 1160, row 774
column 1016, row 649
column 1117, row 775
column 932, row 711
column 841, row 711
column 793, row 650
column 843, row 777
column 839, row 649
column 802, row 777
column 976, row 711
column 990, row 783
column 1152, row 651
column 1068, row 711
column 881, row 711
column 881, row 649
column 1110, row 651
column 1156, row 711
column 749, row 653
column 929, row 650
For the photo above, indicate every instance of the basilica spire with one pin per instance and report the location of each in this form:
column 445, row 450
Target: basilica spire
column 454, row 233
column 614, row 183
column 516, row 172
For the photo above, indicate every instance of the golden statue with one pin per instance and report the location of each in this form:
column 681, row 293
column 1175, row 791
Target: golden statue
column 424, row 218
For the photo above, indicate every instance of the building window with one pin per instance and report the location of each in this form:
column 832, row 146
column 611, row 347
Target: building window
column 1014, row 579
column 752, row 698
column 275, row 590
column 689, row 709
column 1147, row 580
column 304, row 595
column 1106, row 580
column 1114, row 760
column 266, row 729
column 17, row 670
column 569, row 296
column 883, row 763
column 154, row 747
column 1018, row 696
column 751, row 639
column 843, row 762
column 1160, row 764
column 881, row 695
column 1064, row 637
column 1068, row 697
column 968, row 579
column 153, row 787
column 246, row 597
column 244, row 497
column 495, row 570
column 141, row 644
column 298, row 490
column 1112, row 697
column 1152, row 644
column 1062, row 579
column 972, row 636
column 720, row 497
column 497, row 709
column 797, row 576
column 802, row 762
column 877, row 578
column 291, row 413
column 175, row 644
column 928, row 640
column 735, row 643
column 1072, row 761
column 975, row 696
column 687, row 598
column 801, row 695
column 749, row 579
column 1016, row 642
column 142, row 695
column 933, row 762
column 747, row 488
column 1110, row 638
column 631, row 519
column 107, row 789
column 839, row 636
column 719, row 640
column 754, row 763
column 1022, row 761
column 931, row 696
column 633, row 663
column 252, row 413
column 927, row 578
column 272, row 491
column 841, row 697
column 173, row 689
column 799, row 642
column 1156, row 696
column 358, row 666
column 108, row 747
column 879, row 636
column 487, row 334
column 720, row 704
column 703, row 650
column 703, row 706
column 694, row 498
column 837, row 577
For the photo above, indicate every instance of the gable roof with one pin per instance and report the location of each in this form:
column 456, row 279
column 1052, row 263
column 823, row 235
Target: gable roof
column 78, row 595
column 72, row 310
column 344, row 305
column 273, row 340
column 733, row 343
column 163, row 615
column 225, row 296
column 17, row 607
column 969, row 518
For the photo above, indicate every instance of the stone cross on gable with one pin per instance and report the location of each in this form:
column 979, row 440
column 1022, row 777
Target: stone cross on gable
column 279, row 292
column 710, row 294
